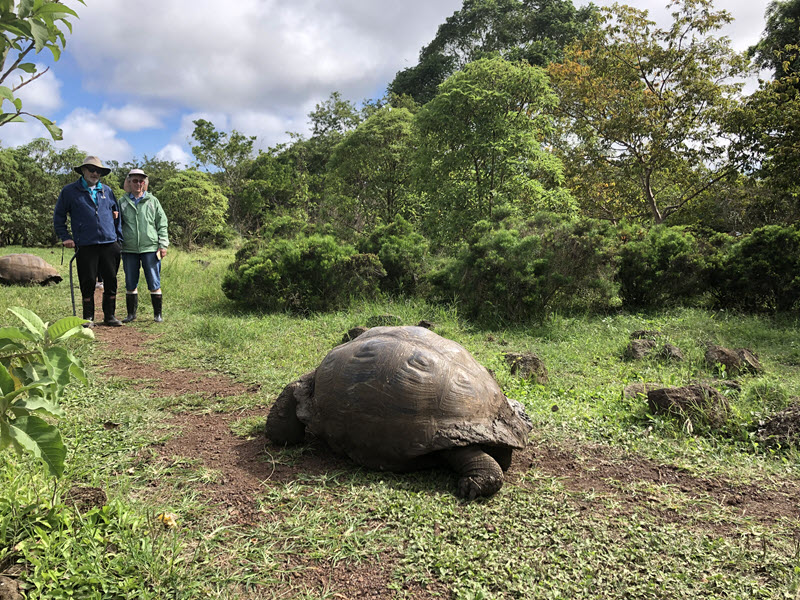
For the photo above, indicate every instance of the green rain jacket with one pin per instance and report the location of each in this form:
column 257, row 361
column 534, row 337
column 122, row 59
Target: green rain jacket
column 144, row 226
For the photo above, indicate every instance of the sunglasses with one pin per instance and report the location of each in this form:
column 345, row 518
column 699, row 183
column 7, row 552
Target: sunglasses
column 92, row 169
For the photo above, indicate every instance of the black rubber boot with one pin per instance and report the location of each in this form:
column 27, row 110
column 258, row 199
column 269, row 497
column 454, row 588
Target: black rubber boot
column 132, row 302
column 88, row 311
column 109, row 318
column 156, row 299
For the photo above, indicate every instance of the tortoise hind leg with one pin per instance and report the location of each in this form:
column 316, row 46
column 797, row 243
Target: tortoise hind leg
column 481, row 475
column 283, row 426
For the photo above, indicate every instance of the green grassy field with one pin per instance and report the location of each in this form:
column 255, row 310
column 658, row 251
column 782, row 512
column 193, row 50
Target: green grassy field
column 607, row 502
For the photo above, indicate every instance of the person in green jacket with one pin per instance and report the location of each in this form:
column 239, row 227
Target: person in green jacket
column 144, row 242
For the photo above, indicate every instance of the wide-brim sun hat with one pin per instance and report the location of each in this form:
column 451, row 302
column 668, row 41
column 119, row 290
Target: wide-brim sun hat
column 138, row 172
column 92, row 161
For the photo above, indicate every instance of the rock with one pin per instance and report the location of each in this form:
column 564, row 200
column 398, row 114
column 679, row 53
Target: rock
column 671, row 353
column 639, row 349
column 527, row 366
column 749, row 361
column 782, row 428
column 696, row 403
column 736, row 362
column 632, row 390
column 9, row 589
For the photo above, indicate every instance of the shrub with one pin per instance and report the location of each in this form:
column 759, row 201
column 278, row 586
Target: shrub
column 305, row 273
column 518, row 271
column 662, row 267
column 762, row 270
column 402, row 252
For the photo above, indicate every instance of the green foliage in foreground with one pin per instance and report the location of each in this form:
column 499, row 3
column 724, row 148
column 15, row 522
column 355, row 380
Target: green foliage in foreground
column 541, row 536
column 34, row 369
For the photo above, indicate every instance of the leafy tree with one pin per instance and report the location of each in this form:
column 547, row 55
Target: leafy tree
column 782, row 30
column 765, row 124
column 27, row 195
column 158, row 171
column 532, row 30
column 373, row 166
column 481, row 147
column 25, row 26
column 195, row 207
column 648, row 102
column 230, row 155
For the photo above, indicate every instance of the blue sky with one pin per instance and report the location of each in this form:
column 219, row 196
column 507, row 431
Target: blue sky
column 135, row 75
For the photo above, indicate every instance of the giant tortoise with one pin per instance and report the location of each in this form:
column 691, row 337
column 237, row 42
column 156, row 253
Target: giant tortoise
column 404, row 398
column 26, row 268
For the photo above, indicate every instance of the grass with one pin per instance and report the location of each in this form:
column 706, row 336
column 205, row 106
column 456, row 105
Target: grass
column 540, row 537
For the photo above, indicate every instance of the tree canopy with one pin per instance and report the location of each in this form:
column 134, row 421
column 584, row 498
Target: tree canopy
column 532, row 30
column 29, row 26
column 647, row 104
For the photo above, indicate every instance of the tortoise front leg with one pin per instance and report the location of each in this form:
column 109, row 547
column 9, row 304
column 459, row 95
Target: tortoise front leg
column 481, row 475
column 283, row 425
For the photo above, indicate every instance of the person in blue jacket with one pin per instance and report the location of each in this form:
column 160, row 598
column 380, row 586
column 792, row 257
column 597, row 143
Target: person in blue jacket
column 96, row 235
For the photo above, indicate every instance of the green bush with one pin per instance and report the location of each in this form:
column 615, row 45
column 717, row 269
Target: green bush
column 762, row 270
column 402, row 252
column 518, row 271
column 660, row 267
column 305, row 273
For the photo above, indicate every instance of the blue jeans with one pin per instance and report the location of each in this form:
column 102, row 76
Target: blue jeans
column 149, row 263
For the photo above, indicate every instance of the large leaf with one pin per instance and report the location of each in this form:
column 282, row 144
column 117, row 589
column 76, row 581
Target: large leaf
column 40, row 35
column 64, row 328
column 79, row 373
column 55, row 132
column 59, row 360
column 15, row 333
column 32, row 405
column 31, row 320
column 54, row 10
column 43, row 440
column 7, row 384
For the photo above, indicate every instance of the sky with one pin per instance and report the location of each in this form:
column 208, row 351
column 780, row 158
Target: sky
column 134, row 76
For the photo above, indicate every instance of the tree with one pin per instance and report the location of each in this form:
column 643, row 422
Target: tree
column 532, row 30
column 195, row 206
column 768, row 141
column 26, row 26
column 782, row 29
column 373, row 166
column 649, row 102
column 230, row 154
column 481, row 146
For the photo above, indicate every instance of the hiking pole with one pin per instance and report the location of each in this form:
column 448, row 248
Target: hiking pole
column 71, row 286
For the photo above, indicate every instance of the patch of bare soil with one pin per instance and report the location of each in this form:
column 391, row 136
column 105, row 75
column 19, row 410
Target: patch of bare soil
column 244, row 468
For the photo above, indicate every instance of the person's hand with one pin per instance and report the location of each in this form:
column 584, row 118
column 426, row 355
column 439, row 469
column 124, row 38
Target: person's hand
column 68, row 243
column 163, row 252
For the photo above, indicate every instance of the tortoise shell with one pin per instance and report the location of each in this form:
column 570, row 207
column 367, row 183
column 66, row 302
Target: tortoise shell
column 393, row 395
column 18, row 269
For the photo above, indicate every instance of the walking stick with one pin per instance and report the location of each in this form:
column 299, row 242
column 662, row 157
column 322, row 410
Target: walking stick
column 71, row 286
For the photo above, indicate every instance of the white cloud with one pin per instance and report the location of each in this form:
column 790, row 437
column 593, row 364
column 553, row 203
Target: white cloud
column 94, row 135
column 173, row 152
column 132, row 117
column 42, row 95
column 252, row 55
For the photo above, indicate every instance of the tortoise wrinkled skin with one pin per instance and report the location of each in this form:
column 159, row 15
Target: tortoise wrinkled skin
column 22, row 269
column 404, row 398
